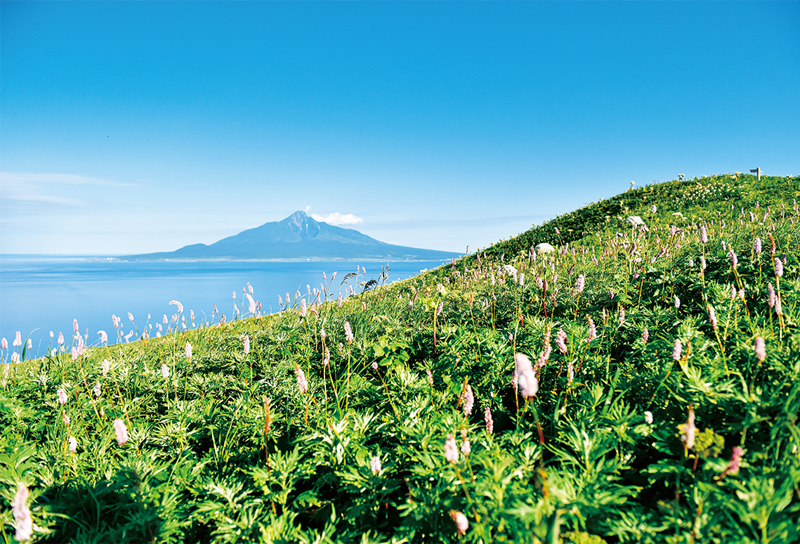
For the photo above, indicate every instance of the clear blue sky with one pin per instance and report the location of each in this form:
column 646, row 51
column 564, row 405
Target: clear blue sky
column 145, row 126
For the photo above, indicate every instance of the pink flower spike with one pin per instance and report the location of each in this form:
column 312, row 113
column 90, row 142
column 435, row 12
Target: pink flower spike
column 348, row 332
column 592, row 330
column 487, row 417
column 561, row 343
column 375, row 366
column 302, row 383
column 62, row 396
column 703, row 234
column 178, row 304
column 60, row 338
column 73, row 444
column 677, row 348
column 451, row 449
column 188, row 351
column 525, row 376
column 103, row 337
column 18, row 340
column 712, row 317
column 761, row 349
column 579, row 284
column 469, row 400
column 645, row 335
column 462, row 523
column 4, row 344
column 121, row 431
column 375, row 464
column 778, row 267
column 247, row 345
column 22, row 516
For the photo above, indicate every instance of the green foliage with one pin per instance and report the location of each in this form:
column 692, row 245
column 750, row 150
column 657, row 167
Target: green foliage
column 225, row 446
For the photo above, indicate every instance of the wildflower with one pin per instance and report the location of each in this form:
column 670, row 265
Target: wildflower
column 736, row 460
column 62, row 396
column 17, row 341
column 303, row 308
column 691, row 262
column 22, row 516
column 466, row 448
column 487, row 417
column 561, row 343
column 778, row 267
column 103, row 337
column 579, row 284
column 522, row 280
column 525, row 377
column 778, row 310
column 451, row 449
column 322, row 334
column 105, row 365
column 462, row 523
column 234, row 295
column 703, row 234
column 648, row 418
column 375, row 366
column 469, row 400
column 676, row 349
column 677, row 303
column 73, row 444
column 130, row 316
column 592, row 330
column 570, row 373
column 761, row 350
column 689, row 430
column 97, row 389
column 732, row 256
column 712, row 316
column 30, row 344
column 375, row 464
column 348, row 332
column 440, row 308
column 179, row 305
column 302, row 383
column 4, row 344
column 653, row 209
column 75, row 326
column 645, row 335
column 165, row 371
column 733, row 291
column 772, row 298
column 702, row 264
column 66, row 419
column 621, row 314
column 757, row 245
column 188, row 351
column 251, row 304
column 430, row 377
column 121, row 431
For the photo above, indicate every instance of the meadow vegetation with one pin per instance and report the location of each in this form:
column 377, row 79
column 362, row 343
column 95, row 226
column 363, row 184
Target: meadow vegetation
column 637, row 384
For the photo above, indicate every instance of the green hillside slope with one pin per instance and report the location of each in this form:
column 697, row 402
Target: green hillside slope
column 637, row 384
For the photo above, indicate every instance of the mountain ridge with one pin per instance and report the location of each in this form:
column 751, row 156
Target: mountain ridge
column 298, row 237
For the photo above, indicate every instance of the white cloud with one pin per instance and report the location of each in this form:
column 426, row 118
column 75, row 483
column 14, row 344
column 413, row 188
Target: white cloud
column 71, row 179
column 335, row 218
column 27, row 187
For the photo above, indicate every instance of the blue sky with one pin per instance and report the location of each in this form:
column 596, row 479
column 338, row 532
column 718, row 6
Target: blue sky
column 144, row 126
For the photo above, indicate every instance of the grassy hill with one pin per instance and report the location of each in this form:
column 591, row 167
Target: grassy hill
column 660, row 404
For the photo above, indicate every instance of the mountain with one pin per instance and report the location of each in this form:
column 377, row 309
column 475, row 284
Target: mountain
column 298, row 237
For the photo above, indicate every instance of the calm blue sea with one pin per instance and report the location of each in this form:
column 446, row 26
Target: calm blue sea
column 43, row 294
